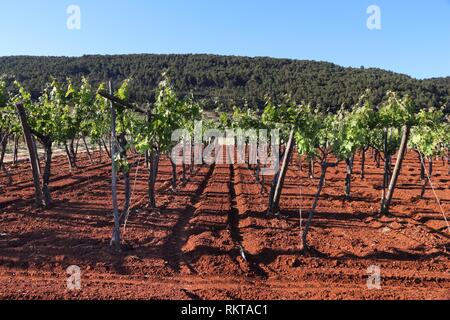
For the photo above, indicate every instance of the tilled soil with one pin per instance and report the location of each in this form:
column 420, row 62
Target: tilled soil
column 211, row 238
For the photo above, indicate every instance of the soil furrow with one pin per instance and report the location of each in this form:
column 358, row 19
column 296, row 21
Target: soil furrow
column 172, row 248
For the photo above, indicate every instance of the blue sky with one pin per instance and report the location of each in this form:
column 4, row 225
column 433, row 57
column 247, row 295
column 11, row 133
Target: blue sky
column 414, row 38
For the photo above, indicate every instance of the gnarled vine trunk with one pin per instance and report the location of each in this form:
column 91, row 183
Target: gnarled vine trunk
column 153, row 171
column 47, row 172
column 16, row 149
column 363, row 162
column 174, row 173
column 348, row 177
column 87, row 150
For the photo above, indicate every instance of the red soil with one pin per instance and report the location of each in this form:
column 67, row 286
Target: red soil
column 191, row 249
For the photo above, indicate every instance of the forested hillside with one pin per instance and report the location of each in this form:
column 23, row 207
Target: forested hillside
column 227, row 80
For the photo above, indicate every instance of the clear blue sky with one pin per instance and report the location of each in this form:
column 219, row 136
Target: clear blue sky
column 414, row 39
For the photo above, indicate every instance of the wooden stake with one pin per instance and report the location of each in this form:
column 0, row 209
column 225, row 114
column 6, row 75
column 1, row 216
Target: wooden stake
column 397, row 169
column 275, row 205
column 115, row 241
column 34, row 162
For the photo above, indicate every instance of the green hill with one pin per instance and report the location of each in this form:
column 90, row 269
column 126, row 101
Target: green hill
column 228, row 79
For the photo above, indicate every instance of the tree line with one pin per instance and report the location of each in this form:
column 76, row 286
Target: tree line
column 221, row 82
